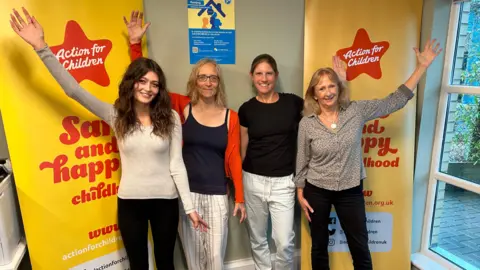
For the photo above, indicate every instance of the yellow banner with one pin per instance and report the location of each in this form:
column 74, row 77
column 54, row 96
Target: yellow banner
column 65, row 160
column 375, row 41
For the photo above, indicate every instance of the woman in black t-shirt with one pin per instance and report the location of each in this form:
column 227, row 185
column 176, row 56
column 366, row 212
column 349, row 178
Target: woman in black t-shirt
column 269, row 124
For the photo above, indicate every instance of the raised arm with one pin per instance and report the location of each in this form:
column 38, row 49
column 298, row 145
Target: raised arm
column 135, row 51
column 136, row 31
column 32, row 32
column 430, row 51
column 372, row 109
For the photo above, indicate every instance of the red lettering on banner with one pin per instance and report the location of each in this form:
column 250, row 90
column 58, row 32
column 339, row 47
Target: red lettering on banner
column 102, row 190
column 369, row 162
column 97, row 149
column 378, row 203
column 62, row 173
column 381, row 144
column 82, row 57
column 103, row 231
column 367, row 193
column 373, row 128
column 96, row 128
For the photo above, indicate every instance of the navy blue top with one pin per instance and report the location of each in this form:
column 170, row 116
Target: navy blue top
column 204, row 155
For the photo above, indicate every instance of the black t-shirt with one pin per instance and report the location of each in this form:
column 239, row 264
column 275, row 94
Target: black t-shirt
column 272, row 135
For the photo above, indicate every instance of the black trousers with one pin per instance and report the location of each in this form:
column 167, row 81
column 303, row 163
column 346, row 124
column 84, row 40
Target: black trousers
column 133, row 217
column 350, row 207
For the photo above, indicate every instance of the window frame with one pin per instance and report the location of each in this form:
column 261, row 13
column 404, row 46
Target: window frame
column 435, row 175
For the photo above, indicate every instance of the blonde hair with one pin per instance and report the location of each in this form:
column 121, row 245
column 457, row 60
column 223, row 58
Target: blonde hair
column 192, row 89
column 311, row 105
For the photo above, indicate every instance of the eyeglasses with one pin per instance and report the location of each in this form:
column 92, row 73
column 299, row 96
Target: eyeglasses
column 203, row 78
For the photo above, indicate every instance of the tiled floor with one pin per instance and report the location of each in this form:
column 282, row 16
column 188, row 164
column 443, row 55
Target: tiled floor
column 459, row 225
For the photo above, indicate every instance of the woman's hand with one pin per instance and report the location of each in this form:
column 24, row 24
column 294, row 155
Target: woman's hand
column 243, row 213
column 307, row 209
column 424, row 59
column 29, row 29
column 339, row 68
column 198, row 222
column 430, row 52
column 135, row 28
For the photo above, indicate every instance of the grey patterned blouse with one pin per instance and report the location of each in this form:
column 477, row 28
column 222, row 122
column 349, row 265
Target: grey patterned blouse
column 333, row 159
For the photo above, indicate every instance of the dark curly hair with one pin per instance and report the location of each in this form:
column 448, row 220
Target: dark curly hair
column 160, row 109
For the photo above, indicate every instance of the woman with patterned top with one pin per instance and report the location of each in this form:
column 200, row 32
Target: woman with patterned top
column 329, row 168
column 149, row 137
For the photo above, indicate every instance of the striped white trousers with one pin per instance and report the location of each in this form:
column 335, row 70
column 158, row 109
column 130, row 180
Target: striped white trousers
column 205, row 250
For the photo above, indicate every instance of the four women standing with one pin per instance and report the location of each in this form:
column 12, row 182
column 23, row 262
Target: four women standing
column 328, row 170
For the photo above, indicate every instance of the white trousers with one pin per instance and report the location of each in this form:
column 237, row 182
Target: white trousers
column 205, row 250
column 274, row 196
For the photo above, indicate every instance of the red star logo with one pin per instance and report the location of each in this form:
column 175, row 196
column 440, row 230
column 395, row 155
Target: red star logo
column 363, row 56
column 82, row 57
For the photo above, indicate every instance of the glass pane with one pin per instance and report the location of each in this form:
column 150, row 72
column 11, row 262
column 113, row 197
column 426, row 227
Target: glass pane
column 466, row 62
column 461, row 142
column 456, row 226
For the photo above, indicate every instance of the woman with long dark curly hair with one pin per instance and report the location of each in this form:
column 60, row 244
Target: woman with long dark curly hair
column 149, row 136
column 211, row 150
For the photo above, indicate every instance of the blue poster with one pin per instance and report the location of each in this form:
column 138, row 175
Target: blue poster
column 211, row 30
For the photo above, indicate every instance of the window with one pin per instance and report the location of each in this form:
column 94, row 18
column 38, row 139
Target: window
column 452, row 228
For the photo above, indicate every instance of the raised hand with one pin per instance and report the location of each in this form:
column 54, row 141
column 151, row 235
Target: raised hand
column 29, row 29
column 135, row 28
column 430, row 52
column 339, row 68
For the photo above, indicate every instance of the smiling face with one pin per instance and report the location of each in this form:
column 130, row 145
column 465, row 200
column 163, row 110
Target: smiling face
column 326, row 92
column 146, row 88
column 264, row 78
column 207, row 80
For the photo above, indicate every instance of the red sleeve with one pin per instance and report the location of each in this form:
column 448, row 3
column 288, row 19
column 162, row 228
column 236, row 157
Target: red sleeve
column 179, row 102
column 235, row 162
column 135, row 51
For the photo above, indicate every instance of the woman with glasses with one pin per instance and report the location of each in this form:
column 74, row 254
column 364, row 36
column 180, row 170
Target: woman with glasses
column 149, row 139
column 211, row 152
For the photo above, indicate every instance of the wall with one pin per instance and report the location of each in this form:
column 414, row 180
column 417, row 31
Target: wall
column 267, row 26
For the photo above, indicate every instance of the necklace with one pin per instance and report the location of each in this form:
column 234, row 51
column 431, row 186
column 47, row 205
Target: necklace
column 333, row 125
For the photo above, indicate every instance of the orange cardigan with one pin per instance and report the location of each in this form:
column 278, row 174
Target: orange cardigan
column 233, row 160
